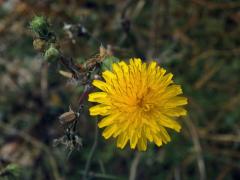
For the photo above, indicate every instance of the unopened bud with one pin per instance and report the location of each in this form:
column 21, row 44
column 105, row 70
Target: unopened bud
column 39, row 25
column 51, row 53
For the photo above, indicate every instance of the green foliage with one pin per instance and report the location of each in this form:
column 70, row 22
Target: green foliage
column 11, row 171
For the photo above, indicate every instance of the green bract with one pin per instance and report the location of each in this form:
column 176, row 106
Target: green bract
column 108, row 61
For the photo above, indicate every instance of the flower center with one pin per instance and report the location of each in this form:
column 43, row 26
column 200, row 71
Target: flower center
column 143, row 105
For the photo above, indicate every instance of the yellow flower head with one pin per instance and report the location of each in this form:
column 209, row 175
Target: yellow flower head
column 138, row 101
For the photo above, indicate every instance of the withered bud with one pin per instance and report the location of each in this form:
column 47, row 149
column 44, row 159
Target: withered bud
column 39, row 44
column 66, row 74
column 102, row 51
column 67, row 117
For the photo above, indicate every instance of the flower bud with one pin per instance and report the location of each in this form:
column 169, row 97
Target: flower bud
column 40, row 25
column 51, row 53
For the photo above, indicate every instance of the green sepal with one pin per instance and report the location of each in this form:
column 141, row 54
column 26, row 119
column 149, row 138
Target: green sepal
column 107, row 62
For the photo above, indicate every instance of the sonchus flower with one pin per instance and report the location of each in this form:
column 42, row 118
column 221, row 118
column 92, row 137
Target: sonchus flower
column 138, row 102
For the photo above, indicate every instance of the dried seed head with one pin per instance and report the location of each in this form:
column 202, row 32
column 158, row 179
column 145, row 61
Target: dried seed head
column 39, row 44
column 67, row 117
column 71, row 141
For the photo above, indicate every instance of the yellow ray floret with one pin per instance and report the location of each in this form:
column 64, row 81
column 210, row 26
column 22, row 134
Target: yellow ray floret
column 138, row 102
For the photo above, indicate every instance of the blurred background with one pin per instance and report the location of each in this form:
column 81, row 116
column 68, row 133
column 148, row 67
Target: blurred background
column 197, row 40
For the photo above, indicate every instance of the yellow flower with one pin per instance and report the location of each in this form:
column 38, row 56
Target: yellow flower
column 139, row 102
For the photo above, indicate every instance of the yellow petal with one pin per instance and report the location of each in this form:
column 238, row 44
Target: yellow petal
column 125, row 70
column 164, row 135
column 107, row 120
column 148, row 134
column 99, row 97
column 117, row 69
column 133, row 140
column 122, row 140
column 157, row 139
column 124, row 66
column 138, row 63
column 152, row 67
column 108, row 132
column 108, row 76
column 175, row 112
column 152, row 124
column 142, row 144
column 100, row 84
column 176, row 101
column 100, row 110
column 169, row 122
column 166, row 80
column 172, row 91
